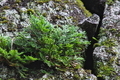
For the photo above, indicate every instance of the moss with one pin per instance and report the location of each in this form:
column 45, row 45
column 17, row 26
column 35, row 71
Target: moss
column 105, row 70
column 5, row 7
column 57, row 0
column 115, row 32
column 18, row 1
column 58, row 17
column 30, row 11
column 70, row 17
column 112, row 59
column 117, row 78
column 42, row 1
column 109, row 2
column 44, row 14
column 2, row 18
column 12, row 79
column 77, row 66
column 88, row 71
column 11, row 29
column 76, row 77
column 108, row 42
column 81, row 6
column 66, row 1
column 4, row 21
column 106, row 67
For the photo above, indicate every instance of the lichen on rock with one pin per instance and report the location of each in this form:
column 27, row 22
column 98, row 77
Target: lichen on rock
column 14, row 16
column 58, row 12
column 107, row 54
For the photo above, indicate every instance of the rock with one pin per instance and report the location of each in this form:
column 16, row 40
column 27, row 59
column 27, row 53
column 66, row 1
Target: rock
column 107, row 54
column 80, row 74
column 90, row 25
column 14, row 16
column 95, row 6
column 2, row 2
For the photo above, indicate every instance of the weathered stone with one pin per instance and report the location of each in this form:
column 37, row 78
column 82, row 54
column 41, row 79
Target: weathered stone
column 95, row 6
column 107, row 55
column 2, row 2
column 58, row 13
column 15, row 16
column 90, row 25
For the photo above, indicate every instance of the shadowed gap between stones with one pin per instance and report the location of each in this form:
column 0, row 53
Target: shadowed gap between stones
column 95, row 7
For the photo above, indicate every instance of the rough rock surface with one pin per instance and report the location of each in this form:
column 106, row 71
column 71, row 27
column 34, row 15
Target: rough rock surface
column 107, row 54
column 14, row 15
column 90, row 25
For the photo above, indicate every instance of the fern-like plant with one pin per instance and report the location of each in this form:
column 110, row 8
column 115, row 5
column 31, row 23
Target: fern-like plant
column 55, row 46
column 12, row 57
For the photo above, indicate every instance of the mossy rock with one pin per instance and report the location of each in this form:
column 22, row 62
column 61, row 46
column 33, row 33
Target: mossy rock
column 82, row 7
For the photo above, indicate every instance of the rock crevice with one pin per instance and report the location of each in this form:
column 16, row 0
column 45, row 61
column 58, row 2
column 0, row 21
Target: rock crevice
column 92, row 27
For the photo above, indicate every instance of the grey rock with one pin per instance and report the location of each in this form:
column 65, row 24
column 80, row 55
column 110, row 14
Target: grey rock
column 2, row 2
column 107, row 54
column 55, row 14
column 90, row 25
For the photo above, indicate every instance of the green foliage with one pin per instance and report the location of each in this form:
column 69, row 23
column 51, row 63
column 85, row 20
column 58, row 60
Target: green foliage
column 109, row 2
column 42, row 1
column 30, row 11
column 5, row 42
column 59, row 47
column 105, row 39
column 81, row 6
column 18, row 1
column 107, row 43
column 12, row 57
column 55, row 46
column 105, row 70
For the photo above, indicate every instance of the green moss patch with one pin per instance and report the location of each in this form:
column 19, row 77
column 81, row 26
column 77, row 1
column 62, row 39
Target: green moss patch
column 81, row 6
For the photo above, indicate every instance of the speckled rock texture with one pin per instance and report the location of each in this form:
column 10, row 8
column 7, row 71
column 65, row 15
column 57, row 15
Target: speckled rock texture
column 14, row 13
column 107, row 52
column 14, row 16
